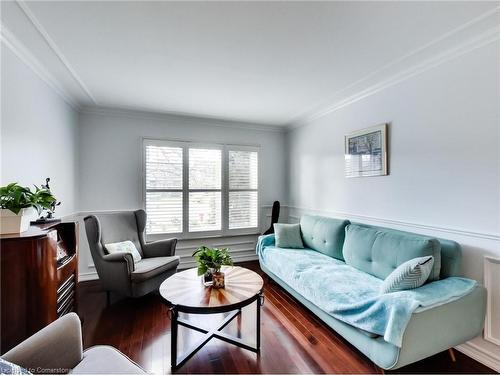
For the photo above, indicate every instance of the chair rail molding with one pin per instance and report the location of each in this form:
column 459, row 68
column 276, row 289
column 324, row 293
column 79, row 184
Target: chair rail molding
column 296, row 212
column 481, row 262
column 242, row 245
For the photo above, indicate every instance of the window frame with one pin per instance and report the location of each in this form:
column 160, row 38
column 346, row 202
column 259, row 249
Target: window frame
column 225, row 148
column 229, row 190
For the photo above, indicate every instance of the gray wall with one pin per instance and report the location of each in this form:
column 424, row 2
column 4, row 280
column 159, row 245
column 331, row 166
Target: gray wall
column 38, row 133
column 111, row 168
column 444, row 152
column 111, row 153
column 444, row 160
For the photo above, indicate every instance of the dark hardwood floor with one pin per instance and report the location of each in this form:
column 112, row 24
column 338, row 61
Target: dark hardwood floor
column 293, row 339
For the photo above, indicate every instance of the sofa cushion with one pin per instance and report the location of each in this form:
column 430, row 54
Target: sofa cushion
column 451, row 258
column 106, row 360
column 379, row 251
column 323, row 234
column 409, row 275
column 288, row 235
column 150, row 267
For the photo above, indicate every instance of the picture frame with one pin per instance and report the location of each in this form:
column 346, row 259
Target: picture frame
column 366, row 152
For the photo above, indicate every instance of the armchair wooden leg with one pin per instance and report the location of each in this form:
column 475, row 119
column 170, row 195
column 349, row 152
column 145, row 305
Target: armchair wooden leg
column 452, row 355
column 108, row 297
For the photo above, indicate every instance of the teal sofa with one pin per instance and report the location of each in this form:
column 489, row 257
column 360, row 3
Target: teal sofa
column 377, row 251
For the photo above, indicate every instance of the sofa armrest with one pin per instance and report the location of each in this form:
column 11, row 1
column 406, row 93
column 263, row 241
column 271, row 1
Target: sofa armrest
column 160, row 248
column 265, row 240
column 442, row 327
column 55, row 348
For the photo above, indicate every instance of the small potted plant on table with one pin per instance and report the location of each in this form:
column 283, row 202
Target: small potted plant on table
column 210, row 261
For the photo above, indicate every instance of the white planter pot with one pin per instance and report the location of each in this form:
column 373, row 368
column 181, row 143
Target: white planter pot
column 12, row 223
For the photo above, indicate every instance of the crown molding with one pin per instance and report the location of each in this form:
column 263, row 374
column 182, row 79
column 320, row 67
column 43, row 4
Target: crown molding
column 53, row 46
column 469, row 37
column 474, row 39
column 166, row 116
column 10, row 41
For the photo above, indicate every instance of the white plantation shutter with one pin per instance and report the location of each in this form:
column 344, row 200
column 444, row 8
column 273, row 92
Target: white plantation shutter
column 243, row 184
column 205, row 168
column 205, row 196
column 164, row 212
column 164, row 189
column 205, row 211
column 191, row 188
column 163, row 167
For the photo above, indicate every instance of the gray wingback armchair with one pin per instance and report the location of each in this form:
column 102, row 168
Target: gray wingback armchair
column 118, row 272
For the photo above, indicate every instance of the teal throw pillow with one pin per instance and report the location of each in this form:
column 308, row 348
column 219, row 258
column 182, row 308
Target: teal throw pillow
column 288, row 235
column 409, row 275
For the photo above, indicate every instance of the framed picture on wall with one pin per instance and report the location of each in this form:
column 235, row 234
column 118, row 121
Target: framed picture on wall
column 366, row 152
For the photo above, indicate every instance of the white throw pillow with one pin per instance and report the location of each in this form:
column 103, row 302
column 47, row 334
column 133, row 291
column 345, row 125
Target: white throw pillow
column 409, row 275
column 124, row 247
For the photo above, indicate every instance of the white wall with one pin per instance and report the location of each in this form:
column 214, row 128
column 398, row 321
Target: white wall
column 111, row 153
column 38, row 134
column 444, row 152
column 111, row 166
column 444, row 159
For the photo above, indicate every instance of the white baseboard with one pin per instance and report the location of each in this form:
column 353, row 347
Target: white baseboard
column 87, row 276
column 481, row 355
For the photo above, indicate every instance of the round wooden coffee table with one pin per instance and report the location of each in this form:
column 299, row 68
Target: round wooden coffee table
column 184, row 292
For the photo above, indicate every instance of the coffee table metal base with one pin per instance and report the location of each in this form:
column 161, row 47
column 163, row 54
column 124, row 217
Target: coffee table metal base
column 210, row 334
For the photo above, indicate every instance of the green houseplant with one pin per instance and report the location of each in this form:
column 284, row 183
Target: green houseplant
column 17, row 204
column 209, row 261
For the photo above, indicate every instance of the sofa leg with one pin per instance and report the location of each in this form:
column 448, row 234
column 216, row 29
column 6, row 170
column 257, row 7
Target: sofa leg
column 452, row 355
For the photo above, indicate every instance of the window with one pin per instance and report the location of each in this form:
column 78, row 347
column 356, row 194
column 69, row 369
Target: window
column 205, row 193
column 243, row 194
column 164, row 188
column 193, row 189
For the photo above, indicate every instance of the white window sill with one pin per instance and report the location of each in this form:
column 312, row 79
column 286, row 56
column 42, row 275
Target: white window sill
column 194, row 236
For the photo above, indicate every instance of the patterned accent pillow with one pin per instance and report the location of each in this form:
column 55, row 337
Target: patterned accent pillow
column 10, row 368
column 124, row 247
column 409, row 275
column 288, row 235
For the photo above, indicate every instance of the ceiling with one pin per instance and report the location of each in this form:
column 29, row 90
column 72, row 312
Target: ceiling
column 260, row 62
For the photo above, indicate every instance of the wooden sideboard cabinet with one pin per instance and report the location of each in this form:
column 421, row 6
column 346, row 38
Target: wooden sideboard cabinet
column 39, row 278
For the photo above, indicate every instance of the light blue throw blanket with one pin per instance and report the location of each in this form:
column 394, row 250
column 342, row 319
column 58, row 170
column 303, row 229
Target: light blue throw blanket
column 353, row 296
